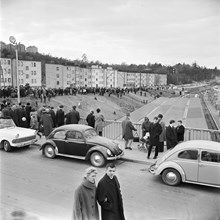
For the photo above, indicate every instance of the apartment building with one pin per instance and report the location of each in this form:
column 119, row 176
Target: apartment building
column 110, row 78
column 54, row 75
column 32, row 49
column 28, row 72
column 5, row 72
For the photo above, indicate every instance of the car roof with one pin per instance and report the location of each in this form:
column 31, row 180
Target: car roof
column 78, row 127
column 202, row 144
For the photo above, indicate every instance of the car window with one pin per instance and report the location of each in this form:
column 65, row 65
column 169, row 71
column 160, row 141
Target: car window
column 90, row 133
column 59, row 135
column 74, row 135
column 6, row 123
column 188, row 154
column 210, row 156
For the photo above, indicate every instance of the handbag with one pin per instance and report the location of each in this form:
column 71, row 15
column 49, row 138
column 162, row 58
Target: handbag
column 136, row 138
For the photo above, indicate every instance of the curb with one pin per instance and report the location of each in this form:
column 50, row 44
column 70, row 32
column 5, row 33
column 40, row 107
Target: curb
column 136, row 161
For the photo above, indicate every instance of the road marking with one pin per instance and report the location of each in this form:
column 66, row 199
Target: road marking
column 186, row 111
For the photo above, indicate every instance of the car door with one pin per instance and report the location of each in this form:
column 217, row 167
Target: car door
column 59, row 139
column 209, row 167
column 188, row 160
column 75, row 144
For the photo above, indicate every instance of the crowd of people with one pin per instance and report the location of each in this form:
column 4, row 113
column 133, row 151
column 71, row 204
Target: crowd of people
column 44, row 119
column 155, row 132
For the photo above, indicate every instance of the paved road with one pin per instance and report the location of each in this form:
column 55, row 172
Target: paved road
column 44, row 188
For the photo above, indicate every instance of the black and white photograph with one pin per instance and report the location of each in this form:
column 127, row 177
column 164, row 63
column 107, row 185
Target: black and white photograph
column 110, row 110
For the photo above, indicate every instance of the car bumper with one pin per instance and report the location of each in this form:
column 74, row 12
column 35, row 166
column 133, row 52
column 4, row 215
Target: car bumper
column 152, row 169
column 116, row 157
column 22, row 144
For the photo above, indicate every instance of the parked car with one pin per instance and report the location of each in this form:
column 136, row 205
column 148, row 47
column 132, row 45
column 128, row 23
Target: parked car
column 13, row 136
column 195, row 161
column 81, row 142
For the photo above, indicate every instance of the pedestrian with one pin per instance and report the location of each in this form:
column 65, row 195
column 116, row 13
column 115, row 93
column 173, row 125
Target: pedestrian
column 155, row 131
column 74, row 116
column 91, row 119
column 162, row 136
column 180, row 130
column 23, row 117
column 85, row 205
column 145, row 126
column 171, row 137
column 99, row 122
column 109, row 195
column 60, row 116
column 47, row 122
column 127, row 131
column 53, row 115
column 34, row 124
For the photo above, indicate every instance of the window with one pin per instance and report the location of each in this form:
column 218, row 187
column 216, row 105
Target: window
column 34, row 72
column 210, row 156
column 9, row 71
column 188, row 154
column 9, row 62
column 58, row 83
column 27, row 76
column 58, row 76
column 60, row 135
column 74, row 135
column 35, row 81
column 34, row 64
column 32, row 81
column 85, row 80
column 27, row 67
column 22, row 81
column 57, row 68
column 9, row 80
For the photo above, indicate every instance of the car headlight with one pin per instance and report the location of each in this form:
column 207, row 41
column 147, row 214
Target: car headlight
column 109, row 152
column 16, row 136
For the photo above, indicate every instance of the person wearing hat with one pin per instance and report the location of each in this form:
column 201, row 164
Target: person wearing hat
column 47, row 122
column 91, row 119
column 60, row 116
column 180, row 130
column 127, row 131
column 162, row 137
column 85, row 206
column 99, row 122
column 171, row 137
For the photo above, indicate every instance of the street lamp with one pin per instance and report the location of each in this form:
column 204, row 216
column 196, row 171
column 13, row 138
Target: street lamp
column 13, row 41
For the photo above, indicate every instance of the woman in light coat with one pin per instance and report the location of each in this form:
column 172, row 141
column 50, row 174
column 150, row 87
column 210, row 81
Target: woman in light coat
column 99, row 122
column 85, row 205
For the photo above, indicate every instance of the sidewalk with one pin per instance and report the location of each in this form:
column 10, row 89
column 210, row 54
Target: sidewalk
column 134, row 155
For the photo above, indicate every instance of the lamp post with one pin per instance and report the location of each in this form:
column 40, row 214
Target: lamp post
column 14, row 42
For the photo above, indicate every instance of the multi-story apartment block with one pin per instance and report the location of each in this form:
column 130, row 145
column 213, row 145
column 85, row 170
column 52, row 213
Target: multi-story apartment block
column 54, row 75
column 28, row 72
column 110, row 78
column 5, row 72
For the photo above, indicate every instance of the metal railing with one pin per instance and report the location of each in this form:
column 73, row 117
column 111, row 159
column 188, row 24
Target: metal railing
column 113, row 130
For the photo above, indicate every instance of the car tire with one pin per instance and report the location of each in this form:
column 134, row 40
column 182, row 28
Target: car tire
column 49, row 151
column 7, row 147
column 171, row 177
column 97, row 159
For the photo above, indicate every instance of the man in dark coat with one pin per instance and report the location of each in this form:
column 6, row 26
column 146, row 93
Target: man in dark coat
column 75, row 117
column 91, row 119
column 53, row 116
column 155, row 131
column 60, row 116
column 47, row 122
column 23, row 117
column 180, row 130
column 127, row 131
column 109, row 195
column 171, row 137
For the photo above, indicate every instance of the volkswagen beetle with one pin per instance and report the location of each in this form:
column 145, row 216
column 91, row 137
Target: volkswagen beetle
column 195, row 161
column 81, row 142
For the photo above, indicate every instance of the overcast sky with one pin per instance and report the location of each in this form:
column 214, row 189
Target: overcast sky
column 116, row 31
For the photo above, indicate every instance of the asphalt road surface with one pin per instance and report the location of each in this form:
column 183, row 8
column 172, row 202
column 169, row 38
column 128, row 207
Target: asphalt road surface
column 44, row 189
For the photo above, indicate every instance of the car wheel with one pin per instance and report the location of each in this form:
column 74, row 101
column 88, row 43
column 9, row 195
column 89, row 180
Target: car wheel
column 7, row 147
column 97, row 159
column 49, row 151
column 171, row 177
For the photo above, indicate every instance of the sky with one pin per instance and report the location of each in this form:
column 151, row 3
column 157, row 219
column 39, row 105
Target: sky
column 117, row 31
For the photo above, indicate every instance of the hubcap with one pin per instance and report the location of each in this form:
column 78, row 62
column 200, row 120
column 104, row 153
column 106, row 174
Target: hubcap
column 171, row 177
column 97, row 159
column 49, row 151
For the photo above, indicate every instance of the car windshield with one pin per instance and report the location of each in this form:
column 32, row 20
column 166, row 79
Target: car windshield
column 90, row 133
column 6, row 123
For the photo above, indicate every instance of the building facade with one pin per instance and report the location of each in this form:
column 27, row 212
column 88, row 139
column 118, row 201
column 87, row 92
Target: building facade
column 28, row 72
column 32, row 49
column 5, row 72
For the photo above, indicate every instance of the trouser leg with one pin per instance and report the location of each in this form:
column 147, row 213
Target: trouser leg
column 156, row 151
column 149, row 151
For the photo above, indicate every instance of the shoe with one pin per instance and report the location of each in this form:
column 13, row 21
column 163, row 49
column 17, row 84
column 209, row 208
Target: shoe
column 130, row 148
column 126, row 147
column 148, row 157
column 155, row 157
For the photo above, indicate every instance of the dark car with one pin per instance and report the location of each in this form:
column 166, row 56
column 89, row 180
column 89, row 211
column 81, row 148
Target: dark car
column 81, row 142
